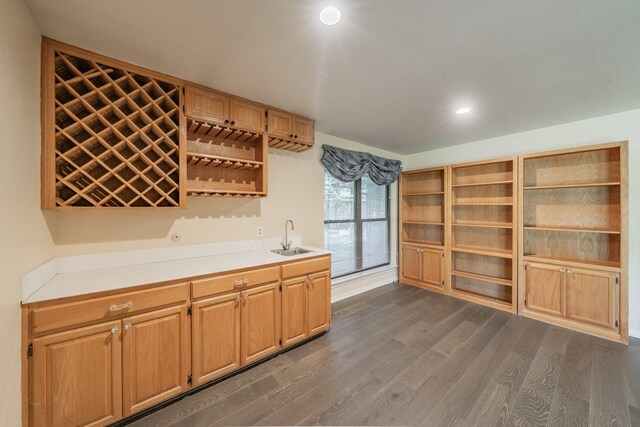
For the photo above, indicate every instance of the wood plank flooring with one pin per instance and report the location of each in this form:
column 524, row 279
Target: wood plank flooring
column 399, row 355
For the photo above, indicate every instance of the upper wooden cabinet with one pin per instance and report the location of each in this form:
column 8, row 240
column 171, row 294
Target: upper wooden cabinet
column 247, row 115
column 222, row 109
column 290, row 132
column 208, row 105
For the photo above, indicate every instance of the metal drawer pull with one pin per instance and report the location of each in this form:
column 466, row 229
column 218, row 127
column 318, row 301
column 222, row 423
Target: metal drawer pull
column 238, row 298
column 115, row 330
column 246, row 297
column 128, row 326
column 124, row 306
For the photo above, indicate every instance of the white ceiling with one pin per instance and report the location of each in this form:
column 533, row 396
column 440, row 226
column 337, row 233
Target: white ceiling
column 391, row 73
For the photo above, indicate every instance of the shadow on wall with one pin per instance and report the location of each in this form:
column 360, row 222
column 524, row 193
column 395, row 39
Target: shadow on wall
column 127, row 225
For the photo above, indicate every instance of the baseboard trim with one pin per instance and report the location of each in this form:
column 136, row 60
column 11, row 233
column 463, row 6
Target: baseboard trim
column 633, row 333
column 338, row 293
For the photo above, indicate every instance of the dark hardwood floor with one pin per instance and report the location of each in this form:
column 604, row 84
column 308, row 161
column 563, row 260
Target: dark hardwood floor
column 399, row 355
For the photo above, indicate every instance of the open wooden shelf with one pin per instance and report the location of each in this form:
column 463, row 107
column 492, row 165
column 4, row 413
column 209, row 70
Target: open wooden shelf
column 482, row 232
column 223, row 161
column 427, row 193
column 481, row 204
column 609, row 265
column 560, row 186
column 288, row 145
column 482, row 225
column 481, row 277
column 111, row 134
column 483, row 251
column 571, row 229
column 424, row 243
column 423, row 222
column 477, row 184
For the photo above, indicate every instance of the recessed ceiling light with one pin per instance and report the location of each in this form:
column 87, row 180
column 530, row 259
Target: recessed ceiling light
column 330, row 15
column 463, row 110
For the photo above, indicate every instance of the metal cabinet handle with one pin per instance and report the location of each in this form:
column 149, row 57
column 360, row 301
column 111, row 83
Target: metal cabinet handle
column 126, row 305
column 245, row 297
column 238, row 298
column 115, row 330
column 128, row 326
column 241, row 283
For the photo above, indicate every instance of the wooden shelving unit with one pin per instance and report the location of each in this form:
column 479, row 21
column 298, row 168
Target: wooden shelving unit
column 482, row 234
column 111, row 133
column 574, row 228
column 422, row 227
column 223, row 161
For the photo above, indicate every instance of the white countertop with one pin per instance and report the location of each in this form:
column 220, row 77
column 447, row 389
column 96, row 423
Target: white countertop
column 85, row 282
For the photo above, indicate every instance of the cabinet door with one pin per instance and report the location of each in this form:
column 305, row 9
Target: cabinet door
column 592, row 297
column 77, row 377
column 303, row 130
column 247, row 115
column 294, row 311
column 280, row 124
column 544, row 288
column 432, row 267
column 260, row 318
column 319, row 305
column 207, row 105
column 155, row 357
column 411, row 263
column 216, row 337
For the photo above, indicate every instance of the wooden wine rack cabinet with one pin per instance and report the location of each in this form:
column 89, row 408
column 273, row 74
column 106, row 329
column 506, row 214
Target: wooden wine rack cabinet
column 111, row 133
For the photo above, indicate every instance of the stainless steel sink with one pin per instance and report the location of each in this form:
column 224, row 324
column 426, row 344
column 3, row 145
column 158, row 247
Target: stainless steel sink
column 291, row 252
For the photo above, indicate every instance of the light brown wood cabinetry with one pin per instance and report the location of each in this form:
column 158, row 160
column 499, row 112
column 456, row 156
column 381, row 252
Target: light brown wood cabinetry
column 216, row 337
column 260, row 322
column 217, row 108
column 294, row 310
column 592, row 297
column 290, row 132
column 423, row 267
column 207, row 105
column 574, row 216
column 155, row 356
column 129, row 350
column 545, row 288
column 61, row 368
column 247, row 115
column 319, row 307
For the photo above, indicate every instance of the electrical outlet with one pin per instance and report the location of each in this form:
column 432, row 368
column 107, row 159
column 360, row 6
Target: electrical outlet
column 260, row 231
column 176, row 237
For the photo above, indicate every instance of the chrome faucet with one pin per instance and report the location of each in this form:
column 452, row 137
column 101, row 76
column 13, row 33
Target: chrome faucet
column 286, row 243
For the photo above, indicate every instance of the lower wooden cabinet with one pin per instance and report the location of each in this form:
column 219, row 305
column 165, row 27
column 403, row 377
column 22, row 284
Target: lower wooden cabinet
column 306, row 307
column 76, row 377
column 155, row 357
column 423, row 266
column 582, row 297
column 260, row 322
column 216, row 337
column 545, row 288
column 158, row 343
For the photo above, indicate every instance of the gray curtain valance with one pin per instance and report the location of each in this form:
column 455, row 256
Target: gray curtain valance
column 347, row 165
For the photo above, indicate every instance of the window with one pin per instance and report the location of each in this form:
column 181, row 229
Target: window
column 356, row 224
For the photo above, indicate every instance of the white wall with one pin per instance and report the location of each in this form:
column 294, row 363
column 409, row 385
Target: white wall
column 615, row 127
column 25, row 239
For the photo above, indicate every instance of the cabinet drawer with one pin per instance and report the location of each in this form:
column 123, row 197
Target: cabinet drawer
column 75, row 313
column 302, row 268
column 234, row 281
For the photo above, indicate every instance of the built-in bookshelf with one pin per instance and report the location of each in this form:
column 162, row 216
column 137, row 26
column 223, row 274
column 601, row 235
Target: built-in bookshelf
column 422, row 227
column 482, row 265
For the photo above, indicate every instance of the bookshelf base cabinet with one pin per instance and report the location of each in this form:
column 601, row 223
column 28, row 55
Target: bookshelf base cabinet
column 96, row 359
column 583, row 299
column 423, row 267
